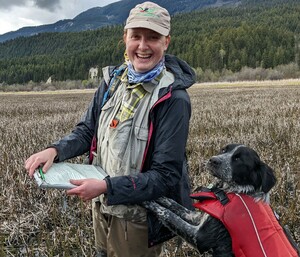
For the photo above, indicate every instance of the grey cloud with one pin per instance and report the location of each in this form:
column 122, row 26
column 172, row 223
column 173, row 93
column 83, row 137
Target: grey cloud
column 46, row 4
column 4, row 4
column 43, row 4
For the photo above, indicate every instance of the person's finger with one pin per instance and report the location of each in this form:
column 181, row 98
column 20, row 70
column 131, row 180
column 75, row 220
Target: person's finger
column 28, row 163
column 33, row 167
column 75, row 191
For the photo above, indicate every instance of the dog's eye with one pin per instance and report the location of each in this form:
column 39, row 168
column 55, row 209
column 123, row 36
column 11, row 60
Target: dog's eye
column 223, row 150
column 236, row 158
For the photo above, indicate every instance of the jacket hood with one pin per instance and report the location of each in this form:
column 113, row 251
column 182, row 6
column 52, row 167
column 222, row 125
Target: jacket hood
column 185, row 76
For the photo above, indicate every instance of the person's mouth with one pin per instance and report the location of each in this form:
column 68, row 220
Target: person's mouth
column 143, row 56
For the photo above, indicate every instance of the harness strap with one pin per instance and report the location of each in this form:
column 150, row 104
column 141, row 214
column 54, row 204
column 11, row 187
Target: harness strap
column 116, row 72
column 205, row 194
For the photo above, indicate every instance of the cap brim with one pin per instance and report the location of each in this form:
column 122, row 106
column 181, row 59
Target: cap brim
column 148, row 25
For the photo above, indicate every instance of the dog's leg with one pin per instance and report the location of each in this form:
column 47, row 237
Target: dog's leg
column 174, row 222
column 192, row 217
column 210, row 233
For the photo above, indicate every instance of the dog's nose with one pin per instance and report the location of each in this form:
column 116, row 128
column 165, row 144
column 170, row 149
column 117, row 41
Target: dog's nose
column 214, row 161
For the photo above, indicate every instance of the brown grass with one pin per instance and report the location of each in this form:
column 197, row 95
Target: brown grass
column 36, row 222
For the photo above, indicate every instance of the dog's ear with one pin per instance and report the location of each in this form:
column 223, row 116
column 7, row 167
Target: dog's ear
column 268, row 179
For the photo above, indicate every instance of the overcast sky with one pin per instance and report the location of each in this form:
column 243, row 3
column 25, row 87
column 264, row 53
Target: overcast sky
column 15, row 14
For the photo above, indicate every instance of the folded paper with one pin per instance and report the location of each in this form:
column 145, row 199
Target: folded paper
column 59, row 175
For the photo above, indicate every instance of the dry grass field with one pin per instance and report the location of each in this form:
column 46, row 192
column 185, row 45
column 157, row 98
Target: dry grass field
column 35, row 222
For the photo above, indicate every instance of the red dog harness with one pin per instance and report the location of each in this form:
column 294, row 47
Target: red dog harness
column 253, row 227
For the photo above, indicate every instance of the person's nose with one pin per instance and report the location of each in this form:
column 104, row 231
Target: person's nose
column 143, row 43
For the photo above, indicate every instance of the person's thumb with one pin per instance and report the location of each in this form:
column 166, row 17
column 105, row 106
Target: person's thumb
column 47, row 165
column 76, row 182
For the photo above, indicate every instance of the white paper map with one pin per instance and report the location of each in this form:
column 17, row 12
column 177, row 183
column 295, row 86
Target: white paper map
column 59, row 175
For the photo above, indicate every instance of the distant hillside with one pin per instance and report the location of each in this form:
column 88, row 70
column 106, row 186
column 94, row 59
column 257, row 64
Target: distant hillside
column 112, row 14
column 253, row 34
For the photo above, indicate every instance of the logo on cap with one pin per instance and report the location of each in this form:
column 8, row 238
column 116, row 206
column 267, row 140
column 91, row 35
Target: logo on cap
column 148, row 12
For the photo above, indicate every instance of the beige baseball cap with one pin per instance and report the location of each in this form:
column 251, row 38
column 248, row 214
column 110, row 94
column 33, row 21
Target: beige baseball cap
column 150, row 16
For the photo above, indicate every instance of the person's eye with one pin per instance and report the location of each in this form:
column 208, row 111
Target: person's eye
column 155, row 37
column 134, row 36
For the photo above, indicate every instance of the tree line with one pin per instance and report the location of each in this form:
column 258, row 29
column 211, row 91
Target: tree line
column 257, row 35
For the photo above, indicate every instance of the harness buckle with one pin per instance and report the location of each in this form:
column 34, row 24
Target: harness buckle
column 221, row 195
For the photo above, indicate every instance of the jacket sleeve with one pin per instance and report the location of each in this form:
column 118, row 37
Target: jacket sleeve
column 79, row 140
column 167, row 156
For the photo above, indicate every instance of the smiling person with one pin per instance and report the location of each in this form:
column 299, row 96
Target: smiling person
column 138, row 125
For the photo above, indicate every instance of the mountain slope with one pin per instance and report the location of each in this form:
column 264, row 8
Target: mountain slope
column 216, row 39
column 115, row 13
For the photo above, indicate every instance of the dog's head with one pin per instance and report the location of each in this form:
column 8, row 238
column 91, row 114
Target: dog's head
column 240, row 168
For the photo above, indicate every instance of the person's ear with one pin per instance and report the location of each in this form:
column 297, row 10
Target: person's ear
column 168, row 39
column 124, row 36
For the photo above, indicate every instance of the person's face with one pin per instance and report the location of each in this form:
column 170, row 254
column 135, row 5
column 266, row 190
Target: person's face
column 145, row 48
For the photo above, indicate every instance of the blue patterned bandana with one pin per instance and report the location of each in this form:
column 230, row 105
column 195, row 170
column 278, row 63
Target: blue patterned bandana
column 137, row 77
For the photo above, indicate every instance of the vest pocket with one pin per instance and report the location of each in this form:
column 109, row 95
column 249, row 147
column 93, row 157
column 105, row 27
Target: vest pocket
column 141, row 133
column 117, row 140
column 138, row 148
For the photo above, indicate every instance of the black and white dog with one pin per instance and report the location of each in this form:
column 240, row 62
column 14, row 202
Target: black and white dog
column 238, row 169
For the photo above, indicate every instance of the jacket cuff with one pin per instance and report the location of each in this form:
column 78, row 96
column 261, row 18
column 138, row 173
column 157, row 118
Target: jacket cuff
column 109, row 185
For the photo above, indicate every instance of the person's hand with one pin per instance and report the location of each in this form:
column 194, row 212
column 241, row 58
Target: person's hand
column 87, row 189
column 45, row 157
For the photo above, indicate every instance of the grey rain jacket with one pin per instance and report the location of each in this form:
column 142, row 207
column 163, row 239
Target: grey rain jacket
column 164, row 171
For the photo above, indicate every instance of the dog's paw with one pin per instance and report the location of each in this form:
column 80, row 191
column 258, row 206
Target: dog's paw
column 166, row 202
column 150, row 205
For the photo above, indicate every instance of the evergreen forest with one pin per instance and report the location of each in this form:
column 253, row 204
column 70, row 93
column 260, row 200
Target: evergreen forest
column 254, row 34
